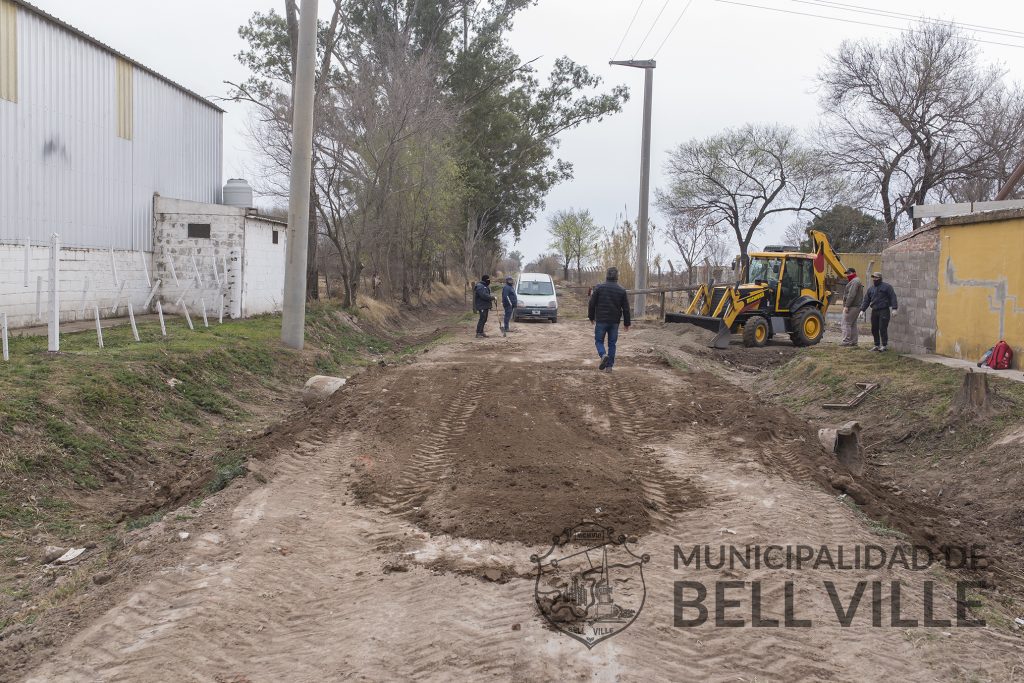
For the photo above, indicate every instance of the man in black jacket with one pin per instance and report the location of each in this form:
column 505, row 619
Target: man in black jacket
column 609, row 304
column 508, row 301
column 881, row 297
column 482, row 300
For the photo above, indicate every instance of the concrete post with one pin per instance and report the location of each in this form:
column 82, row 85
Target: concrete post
column 293, row 319
column 53, row 319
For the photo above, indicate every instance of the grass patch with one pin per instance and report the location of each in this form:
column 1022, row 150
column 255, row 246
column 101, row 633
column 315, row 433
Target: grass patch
column 225, row 473
column 144, row 521
column 75, row 419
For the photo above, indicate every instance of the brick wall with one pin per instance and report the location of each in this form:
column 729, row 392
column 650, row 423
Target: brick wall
column 198, row 272
column 238, row 262
column 911, row 266
column 87, row 279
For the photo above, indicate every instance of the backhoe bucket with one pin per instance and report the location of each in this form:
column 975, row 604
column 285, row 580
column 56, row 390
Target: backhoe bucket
column 705, row 322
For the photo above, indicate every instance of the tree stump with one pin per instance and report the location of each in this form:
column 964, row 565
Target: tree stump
column 974, row 398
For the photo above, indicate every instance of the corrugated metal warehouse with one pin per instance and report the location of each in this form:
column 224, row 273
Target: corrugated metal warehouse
column 87, row 136
column 110, row 178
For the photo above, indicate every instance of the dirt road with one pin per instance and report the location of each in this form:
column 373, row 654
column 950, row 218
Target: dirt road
column 393, row 536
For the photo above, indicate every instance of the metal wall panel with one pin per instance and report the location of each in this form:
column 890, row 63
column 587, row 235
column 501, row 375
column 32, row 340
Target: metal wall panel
column 63, row 167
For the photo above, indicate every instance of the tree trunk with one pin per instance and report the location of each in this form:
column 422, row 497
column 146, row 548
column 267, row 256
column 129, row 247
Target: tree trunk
column 974, row 398
column 312, row 274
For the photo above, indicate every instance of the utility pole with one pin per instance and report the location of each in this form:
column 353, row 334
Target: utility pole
column 293, row 318
column 645, row 178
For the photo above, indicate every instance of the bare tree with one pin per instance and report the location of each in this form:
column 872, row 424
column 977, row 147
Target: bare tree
column 908, row 118
column 740, row 178
column 692, row 233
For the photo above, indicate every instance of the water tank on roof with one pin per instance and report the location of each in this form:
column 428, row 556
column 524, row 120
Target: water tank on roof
column 238, row 193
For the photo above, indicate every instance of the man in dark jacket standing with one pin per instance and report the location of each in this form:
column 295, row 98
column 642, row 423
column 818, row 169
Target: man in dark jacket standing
column 608, row 305
column 508, row 301
column 482, row 300
column 852, row 300
column 881, row 298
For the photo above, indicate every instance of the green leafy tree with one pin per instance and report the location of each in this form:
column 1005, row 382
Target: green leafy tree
column 573, row 237
column 848, row 230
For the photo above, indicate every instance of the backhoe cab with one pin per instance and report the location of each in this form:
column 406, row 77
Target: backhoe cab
column 786, row 292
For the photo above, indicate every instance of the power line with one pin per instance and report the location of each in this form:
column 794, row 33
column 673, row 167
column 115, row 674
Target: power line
column 626, row 33
column 678, row 19
column 653, row 24
column 853, row 21
column 843, row 7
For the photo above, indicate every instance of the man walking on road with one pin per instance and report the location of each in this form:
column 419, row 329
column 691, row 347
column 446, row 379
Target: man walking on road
column 482, row 300
column 881, row 298
column 852, row 300
column 608, row 305
column 508, row 301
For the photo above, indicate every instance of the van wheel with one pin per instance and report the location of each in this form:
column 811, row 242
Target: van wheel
column 554, row 320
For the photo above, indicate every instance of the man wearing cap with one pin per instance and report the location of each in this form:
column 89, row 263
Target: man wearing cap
column 881, row 298
column 852, row 300
column 508, row 301
column 482, row 300
column 608, row 305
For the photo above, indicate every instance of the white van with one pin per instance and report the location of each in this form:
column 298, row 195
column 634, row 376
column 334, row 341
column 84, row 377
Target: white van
column 535, row 294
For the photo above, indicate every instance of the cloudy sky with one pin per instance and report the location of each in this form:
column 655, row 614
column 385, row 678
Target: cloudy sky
column 724, row 65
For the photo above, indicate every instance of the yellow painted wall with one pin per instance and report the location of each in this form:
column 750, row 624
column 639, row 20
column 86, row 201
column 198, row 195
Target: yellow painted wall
column 8, row 51
column 981, row 289
column 124, row 73
column 861, row 263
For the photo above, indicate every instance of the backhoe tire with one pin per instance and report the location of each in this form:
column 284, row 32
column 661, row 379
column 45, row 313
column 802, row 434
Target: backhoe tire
column 808, row 326
column 755, row 331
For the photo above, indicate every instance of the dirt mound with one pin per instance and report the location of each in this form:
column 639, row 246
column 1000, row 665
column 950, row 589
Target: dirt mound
column 517, row 453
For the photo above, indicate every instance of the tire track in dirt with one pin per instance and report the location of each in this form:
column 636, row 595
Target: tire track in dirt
column 432, row 459
column 666, row 493
column 305, row 584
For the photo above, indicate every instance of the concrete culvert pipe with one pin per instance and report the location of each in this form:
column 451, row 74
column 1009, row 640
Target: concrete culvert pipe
column 319, row 387
column 844, row 441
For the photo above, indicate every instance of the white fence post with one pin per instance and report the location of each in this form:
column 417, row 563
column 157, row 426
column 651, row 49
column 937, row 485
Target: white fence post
column 53, row 324
column 39, row 298
column 99, row 330
column 3, row 333
column 206, row 322
column 113, row 267
column 117, row 300
column 174, row 273
column 152, row 293
column 145, row 268
column 131, row 319
column 85, row 291
column 220, row 311
column 160, row 312
column 188, row 318
column 195, row 267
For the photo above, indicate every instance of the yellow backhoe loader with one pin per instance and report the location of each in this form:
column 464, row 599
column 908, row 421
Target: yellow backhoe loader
column 786, row 293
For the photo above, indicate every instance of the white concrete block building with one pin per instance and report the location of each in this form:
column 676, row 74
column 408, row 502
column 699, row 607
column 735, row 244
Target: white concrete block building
column 96, row 148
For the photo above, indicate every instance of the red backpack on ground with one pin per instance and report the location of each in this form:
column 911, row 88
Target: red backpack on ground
column 1002, row 356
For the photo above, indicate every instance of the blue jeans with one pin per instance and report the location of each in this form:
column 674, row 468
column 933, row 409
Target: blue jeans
column 508, row 317
column 612, row 330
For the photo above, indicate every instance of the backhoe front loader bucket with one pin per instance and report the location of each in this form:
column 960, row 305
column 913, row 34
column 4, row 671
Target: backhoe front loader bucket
column 705, row 322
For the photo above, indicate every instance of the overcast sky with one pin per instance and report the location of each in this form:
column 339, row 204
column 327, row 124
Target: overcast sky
column 724, row 65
